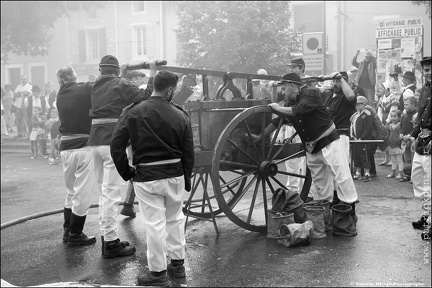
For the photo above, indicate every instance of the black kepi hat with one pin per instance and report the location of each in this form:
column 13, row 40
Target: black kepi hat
column 297, row 61
column 290, row 78
column 109, row 61
column 426, row 60
column 409, row 75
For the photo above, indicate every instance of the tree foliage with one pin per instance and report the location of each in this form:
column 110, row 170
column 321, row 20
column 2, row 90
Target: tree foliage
column 25, row 25
column 237, row 36
column 425, row 3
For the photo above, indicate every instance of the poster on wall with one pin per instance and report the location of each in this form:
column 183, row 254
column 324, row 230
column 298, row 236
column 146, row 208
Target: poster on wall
column 408, row 48
column 400, row 48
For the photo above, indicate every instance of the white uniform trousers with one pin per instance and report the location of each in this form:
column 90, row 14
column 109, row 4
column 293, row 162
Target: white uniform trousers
column 328, row 164
column 79, row 178
column 108, row 182
column 297, row 166
column 421, row 178
column 161, row 203
column 344, row 139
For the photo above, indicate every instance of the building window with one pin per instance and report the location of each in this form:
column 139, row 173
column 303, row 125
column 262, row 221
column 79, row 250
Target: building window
column 140, row 48
column 93, row 45
column 138, row 6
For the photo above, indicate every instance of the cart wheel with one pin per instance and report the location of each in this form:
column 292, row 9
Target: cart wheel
column 197, row 204
column 236, row 158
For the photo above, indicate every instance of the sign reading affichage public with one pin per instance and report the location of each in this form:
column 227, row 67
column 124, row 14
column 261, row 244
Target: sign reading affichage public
column 396, row 28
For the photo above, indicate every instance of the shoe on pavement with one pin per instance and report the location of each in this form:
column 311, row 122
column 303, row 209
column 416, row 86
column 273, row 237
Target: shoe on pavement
column 81, row 239
column 177, row 268
column 153, row 279
column 357, row 176
column 383, row 163
column 420, row 224
column 115, row 248
column 367, row 178
column 128, row 210
column 124, row 243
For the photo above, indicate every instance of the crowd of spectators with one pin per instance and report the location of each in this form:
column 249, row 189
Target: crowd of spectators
column 32, row 112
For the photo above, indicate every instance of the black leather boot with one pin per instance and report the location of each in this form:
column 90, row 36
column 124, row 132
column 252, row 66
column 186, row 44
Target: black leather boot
column 67, row 212
column 335, row 199
column 177, row 268
column 124, row 243
column 117, row 249
column 76, row 236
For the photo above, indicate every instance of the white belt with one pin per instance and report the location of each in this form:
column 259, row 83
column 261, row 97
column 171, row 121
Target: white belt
column 73, row 136
column 169, row 161
column 104, row 120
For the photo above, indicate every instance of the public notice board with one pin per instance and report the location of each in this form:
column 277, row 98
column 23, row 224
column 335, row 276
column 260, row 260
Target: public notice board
column 399, row 48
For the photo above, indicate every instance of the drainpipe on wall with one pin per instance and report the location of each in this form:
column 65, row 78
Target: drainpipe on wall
column 116, row 29
column 162, row 28
column 68, row 53
column 342, row 39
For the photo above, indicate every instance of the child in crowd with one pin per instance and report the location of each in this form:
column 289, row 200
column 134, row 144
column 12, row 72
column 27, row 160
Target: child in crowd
column 52, row 128
column 361, row 129
column 384, row 106
column 417, row 93
column 407, row 125
column 37, row 133
column 396, row 149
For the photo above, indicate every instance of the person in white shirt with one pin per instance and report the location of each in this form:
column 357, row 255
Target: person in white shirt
column 20, row 103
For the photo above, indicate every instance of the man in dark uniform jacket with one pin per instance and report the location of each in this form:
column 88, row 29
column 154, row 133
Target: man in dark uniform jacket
column 325, row 157
column 110, row 94
column 73, row 104
column 341, row 105
column 162, row 143
column 421, row 162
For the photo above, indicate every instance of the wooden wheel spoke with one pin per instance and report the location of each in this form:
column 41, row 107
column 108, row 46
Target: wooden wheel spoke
column 262, row 135
column 237, row 179
column 234, row 201
column 229, row 188
column 253, row 142
column 265, row 201
column 278, row 182
column 276, row 133
column 295, row 155
column 283, row 146
column 252, row 204
column 271, row 187
column 292, row 174
column 243, row 165
column 241, row 150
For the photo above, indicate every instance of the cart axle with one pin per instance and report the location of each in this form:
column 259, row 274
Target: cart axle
column 267, row 169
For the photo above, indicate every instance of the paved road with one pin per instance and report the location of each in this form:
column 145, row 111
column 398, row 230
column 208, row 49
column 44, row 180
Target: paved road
column 386, row 252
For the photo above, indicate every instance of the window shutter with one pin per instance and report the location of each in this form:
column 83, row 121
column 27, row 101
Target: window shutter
column 150, row 40
column 102, row 43
column 82, row 46
column 128, row 42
